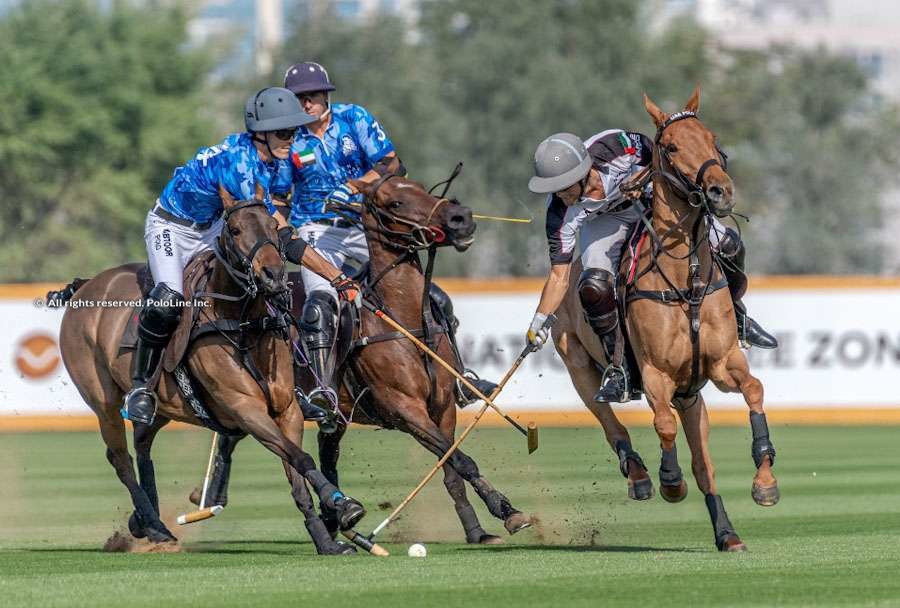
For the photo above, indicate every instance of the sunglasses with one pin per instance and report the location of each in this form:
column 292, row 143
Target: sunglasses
column 285, row 134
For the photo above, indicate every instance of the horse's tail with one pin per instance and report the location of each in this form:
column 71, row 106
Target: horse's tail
column 59, row 298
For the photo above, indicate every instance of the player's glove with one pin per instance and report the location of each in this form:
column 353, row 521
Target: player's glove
column 538, row 332
column 348, row 289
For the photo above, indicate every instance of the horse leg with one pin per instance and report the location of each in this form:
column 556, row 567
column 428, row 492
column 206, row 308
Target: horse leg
column 695, row 422
column 737, row 376
column 257, row 423
column 586, row 380
column 329, row 453
column 456, row 488
column 660, row 389
column 217, row 490
column 291, row 424
column 429, row 435
column 144, row 434
column 146, row 518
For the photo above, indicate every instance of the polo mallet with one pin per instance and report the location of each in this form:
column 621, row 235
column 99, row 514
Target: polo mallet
column 203, row 513
column 530, row 433
column 551, row 319
column 499, row 218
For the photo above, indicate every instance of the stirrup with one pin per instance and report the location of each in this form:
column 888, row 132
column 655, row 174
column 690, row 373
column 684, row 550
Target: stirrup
column 135, row 392
column 625, row 396
column 463, row 398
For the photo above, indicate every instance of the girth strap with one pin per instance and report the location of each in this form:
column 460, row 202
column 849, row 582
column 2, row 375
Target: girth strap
column 671, row 296
column 394, row 335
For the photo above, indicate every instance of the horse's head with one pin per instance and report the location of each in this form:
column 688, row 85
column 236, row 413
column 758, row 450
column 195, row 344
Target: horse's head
column 688, row 152
column 249, row 243
column 406, row 215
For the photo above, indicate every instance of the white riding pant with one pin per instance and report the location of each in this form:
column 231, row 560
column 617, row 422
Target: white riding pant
column 339, row 245
column 602, row 235
column 171, row 246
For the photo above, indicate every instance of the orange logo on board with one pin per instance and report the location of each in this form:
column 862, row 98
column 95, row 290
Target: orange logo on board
column 37, row 356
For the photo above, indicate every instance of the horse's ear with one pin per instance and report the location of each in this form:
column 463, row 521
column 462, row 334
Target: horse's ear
column 225, row 195
column 693, row 104
column 259, row 192
column 362, row 187
column 658, row 116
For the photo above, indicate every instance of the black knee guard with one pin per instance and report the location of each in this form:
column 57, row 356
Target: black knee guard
column 160, row 314
column 445, row 305
column 318, row 320
column 596, row 290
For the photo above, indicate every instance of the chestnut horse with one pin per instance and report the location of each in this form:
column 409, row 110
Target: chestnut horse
column 400, row 218
column 247, row 276
column 680, row 321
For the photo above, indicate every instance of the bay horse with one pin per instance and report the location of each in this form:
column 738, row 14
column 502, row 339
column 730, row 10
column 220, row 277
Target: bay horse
column 247, row 276
column 680, row 321
column 400, row 219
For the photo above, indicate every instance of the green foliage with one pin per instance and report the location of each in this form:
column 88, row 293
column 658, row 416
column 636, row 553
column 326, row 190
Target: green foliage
column 99, row 106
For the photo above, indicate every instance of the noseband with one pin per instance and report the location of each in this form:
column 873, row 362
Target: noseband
column 691, row 191
column 238, row 265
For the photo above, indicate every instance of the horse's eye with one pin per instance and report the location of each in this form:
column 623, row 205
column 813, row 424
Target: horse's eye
column 395, row 204
column 234, row 231
column 671, row 148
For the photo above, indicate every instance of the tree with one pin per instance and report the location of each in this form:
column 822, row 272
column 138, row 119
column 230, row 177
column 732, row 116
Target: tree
column 98, row 108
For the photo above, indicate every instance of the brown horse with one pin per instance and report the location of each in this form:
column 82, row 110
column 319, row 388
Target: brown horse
column 400, row 218
column 247, row 276
column 680, row 321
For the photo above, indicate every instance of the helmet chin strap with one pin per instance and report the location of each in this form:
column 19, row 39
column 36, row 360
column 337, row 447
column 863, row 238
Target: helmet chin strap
column 265, row 140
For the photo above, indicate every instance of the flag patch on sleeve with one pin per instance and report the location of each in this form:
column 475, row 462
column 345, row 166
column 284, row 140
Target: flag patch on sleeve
column 303, row 159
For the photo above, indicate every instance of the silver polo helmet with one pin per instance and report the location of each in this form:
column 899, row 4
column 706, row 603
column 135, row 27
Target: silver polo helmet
column 559, row 161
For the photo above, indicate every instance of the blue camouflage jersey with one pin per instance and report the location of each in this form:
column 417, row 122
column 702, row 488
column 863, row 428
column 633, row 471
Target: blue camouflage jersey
column 193, row 192
column 352, row 144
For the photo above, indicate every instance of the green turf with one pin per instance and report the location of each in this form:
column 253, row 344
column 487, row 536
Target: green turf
column 833, row 540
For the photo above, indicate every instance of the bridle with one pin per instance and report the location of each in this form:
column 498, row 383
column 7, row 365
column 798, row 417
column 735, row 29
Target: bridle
column 239, row 265
column 422, row 234
column 690, row 190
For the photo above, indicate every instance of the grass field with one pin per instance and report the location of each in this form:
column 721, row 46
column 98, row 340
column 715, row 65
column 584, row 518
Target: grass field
column 833, row 540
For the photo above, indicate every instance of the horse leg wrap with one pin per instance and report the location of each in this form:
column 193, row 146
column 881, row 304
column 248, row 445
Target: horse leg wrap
column 217, row 493
column 470, row 523
column 322, row 538
column 721, row 524
column 496, row 502
column 761, row 444
column 626, row 453
column 669, row 471
column 147, row 478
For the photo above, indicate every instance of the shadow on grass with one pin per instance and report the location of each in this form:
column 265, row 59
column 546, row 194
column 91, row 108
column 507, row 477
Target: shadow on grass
column 593, row 548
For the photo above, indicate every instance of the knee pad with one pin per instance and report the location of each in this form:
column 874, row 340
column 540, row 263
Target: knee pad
column 160, row 314
column 318, row 320
column 597, row 292
column 445, row 305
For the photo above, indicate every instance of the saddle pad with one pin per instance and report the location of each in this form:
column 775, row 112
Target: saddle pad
column 130, row 335
column 196, row 276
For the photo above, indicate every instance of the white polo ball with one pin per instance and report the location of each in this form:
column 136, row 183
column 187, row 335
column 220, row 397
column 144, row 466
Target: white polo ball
column 417, row 550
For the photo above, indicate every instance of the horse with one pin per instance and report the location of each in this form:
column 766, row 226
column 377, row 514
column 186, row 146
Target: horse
column 387, row 382
column 242, row 367
column 680, row 321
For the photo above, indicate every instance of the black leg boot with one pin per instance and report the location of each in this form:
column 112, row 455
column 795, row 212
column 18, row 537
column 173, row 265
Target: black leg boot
column 319, row 328
column 159, row 318
column 731, row 256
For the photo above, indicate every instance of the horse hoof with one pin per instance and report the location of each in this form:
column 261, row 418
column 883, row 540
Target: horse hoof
column 160, row 535
column 337, row 548
column 516, row 522
column 350, row 512
column 195, row 496
column 674, row 493
column 642, row 489
column 765, row 497
column 732, row 544
column 134, row 527
column 490, row 539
